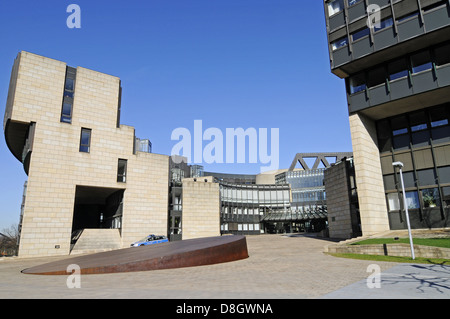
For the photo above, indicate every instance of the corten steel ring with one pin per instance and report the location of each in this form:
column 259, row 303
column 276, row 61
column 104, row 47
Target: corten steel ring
column 184, row 253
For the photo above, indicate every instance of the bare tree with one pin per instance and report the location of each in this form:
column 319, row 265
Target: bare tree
column 9, row 241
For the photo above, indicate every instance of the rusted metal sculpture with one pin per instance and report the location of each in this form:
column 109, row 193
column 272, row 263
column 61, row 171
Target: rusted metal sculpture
column 185, row 253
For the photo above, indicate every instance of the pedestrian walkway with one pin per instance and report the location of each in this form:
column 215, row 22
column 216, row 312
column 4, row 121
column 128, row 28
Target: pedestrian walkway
column 278, row 267
column 404, row 281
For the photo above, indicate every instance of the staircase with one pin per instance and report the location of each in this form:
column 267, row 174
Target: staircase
column 97, row 240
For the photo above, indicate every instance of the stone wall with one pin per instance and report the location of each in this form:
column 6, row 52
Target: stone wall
column 369, row 178
column 201, row 208
column 391, row 250
column 338, row 201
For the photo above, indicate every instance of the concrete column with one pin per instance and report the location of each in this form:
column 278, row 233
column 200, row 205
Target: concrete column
column 369, row 178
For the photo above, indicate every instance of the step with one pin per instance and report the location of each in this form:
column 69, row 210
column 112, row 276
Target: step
column 97, row 240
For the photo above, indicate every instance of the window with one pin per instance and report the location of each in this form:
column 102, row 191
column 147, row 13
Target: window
column 408, row 16
column 399, row 125
column 386, row 23
column 430, row 197
column 418, row 121
column 446, row 195
column 335, row 7
column 442, row 54
column 69, row 89
column 66, row 113
column 421, row 62
column 376, row 77
column 360, row 34
column 353, row 2
column 397, row 69
column 439, row 116
column 339, row 43
column 412, row 200
column 435, row 5
column 393, row 202
column 357, row 83
column 122, row 170
column 85, row 140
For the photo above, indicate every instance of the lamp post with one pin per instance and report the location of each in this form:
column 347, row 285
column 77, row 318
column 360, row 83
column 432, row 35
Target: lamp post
column 400, row 165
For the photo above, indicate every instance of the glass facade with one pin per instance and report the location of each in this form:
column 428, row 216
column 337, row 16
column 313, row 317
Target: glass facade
column 245, row 207
column 421, row 141
column 308, row 190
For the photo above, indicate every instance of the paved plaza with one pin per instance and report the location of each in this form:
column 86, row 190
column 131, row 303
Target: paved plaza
column 278, row 267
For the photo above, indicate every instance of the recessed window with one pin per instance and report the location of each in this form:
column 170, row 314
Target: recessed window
column 360, row 34
column 122, row 170
column 418, row 121
column 421, row 62
column 397, row 69
column 353, row 2
column 339, row 43
column 439, row 117
column 408, row 16
column 85, row 140
column 69, row 90
column 335, row 7
column 386, row 23
column 376, row 77
column 442, row 55
column 399, row 125
column 357, row 83
column 69, row 87
column 66, row 113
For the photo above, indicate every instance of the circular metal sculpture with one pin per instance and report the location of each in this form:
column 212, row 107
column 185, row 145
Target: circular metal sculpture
column 185, row 253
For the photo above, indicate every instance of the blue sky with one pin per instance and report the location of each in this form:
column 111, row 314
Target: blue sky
column 229, row 63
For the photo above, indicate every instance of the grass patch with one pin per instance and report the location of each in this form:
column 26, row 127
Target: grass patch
column 436, row 242
column 395, row 259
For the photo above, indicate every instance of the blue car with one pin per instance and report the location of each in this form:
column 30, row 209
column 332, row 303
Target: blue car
column 150, row 240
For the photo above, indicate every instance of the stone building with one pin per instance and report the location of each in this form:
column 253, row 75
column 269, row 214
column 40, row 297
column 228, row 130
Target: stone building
column 84, row 169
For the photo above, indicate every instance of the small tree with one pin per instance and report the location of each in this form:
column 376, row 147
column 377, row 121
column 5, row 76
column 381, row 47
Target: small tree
column 9, row 241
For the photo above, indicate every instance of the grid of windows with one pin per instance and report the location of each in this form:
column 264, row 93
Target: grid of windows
column 421, row 141
column 425, row 60
column 416, row 129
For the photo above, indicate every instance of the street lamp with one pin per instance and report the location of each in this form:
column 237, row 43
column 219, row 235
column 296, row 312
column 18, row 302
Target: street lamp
column 400, row 165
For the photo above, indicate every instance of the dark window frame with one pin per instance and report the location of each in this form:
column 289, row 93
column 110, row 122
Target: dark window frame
column 85, row 148
column 122, row 176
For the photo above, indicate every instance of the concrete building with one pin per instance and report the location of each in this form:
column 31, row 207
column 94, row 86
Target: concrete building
column 395, row 59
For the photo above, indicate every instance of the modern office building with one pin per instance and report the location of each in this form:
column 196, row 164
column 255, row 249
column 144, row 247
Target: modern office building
column 395, row 59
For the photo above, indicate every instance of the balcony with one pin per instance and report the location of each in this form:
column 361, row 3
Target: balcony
column 406, row 25
column 397, row 94
column 417, row 80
